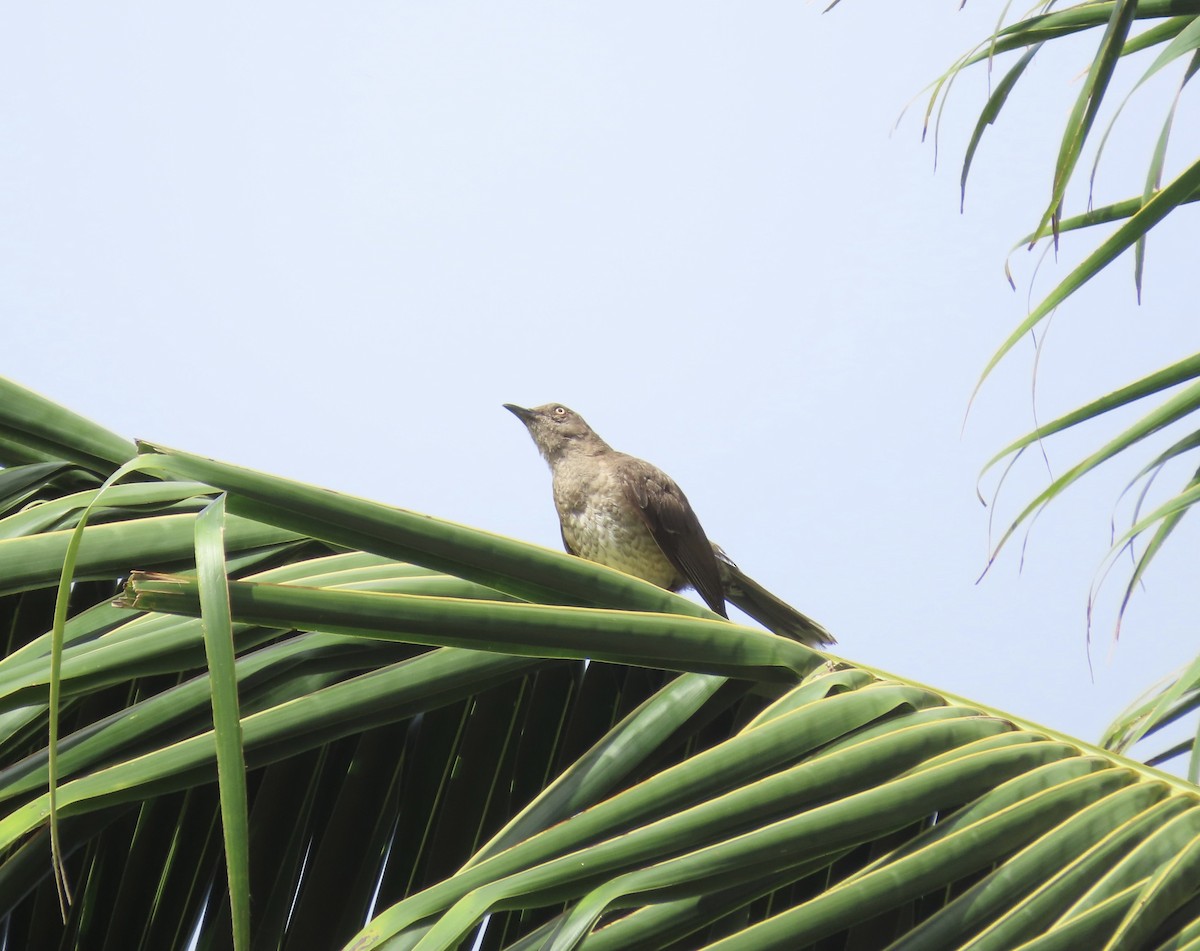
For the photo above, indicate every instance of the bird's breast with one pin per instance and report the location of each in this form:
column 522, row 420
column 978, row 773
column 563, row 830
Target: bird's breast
column 600, row 524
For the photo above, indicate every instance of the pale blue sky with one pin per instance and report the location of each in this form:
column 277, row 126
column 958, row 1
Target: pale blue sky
column 329, row 240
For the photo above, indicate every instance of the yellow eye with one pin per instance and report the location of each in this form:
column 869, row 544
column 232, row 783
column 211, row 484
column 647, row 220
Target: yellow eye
column 560, row 411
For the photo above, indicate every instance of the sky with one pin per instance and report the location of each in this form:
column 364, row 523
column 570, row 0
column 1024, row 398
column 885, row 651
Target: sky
column 330, row 240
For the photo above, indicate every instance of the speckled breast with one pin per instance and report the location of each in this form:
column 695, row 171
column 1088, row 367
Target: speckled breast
column 606, row 533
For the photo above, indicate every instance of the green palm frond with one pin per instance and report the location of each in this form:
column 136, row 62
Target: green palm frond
column 428, row 755
column 1170, row 30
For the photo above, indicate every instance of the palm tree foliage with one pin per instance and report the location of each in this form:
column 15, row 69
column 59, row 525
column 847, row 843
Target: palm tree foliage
column 1167, row 34
column 389, row 731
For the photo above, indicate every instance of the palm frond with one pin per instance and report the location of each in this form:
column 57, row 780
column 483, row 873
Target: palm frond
column 1122, row 28
column 428, row 755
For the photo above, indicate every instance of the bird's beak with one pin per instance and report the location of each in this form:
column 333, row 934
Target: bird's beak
column 523, row 414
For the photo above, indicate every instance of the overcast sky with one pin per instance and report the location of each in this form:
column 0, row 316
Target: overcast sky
column 329, row 240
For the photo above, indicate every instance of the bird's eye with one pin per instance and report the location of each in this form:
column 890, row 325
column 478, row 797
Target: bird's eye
column 560, row 411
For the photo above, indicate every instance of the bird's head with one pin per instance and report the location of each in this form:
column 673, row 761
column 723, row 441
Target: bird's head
column 557, row 430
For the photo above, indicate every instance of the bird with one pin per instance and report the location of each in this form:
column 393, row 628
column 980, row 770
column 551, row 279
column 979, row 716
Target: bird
column 625, row 513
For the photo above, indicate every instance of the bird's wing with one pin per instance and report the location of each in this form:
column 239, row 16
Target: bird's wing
column 665, row 511
column 566, row 544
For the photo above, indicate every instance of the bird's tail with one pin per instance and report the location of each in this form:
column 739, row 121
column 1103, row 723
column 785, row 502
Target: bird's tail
column 775, row 615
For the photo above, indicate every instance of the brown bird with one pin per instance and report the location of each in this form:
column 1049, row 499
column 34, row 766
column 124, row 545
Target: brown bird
column 625, row 513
